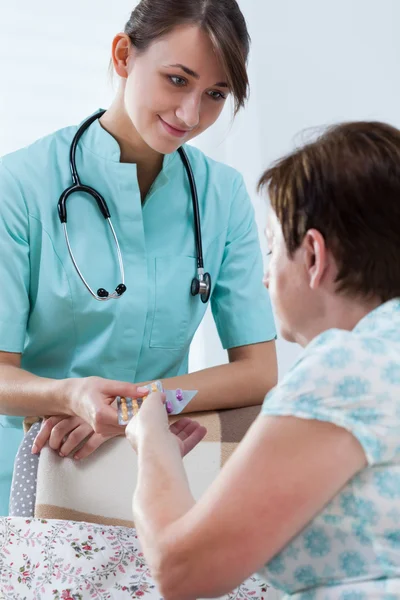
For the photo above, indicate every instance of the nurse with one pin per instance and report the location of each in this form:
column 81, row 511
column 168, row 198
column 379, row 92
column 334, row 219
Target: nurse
column 67, row 355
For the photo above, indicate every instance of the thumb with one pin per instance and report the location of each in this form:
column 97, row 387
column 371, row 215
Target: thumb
column 155, row 405
column 122, row 388
column 106, row 420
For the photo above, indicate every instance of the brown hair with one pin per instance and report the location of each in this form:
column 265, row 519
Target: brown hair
column 221, row 19
column 346, row 184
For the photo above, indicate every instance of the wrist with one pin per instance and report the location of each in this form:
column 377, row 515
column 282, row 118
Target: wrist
column 65, row 393
column 149, row 443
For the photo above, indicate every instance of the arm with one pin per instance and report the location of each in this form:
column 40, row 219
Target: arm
column 250, row 374
column 285, row 471
column 23, row 394
column 244, row 382
column 89, row 399
column 243, row 316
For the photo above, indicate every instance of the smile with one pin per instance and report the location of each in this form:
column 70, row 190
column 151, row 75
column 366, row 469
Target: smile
column 173, row 130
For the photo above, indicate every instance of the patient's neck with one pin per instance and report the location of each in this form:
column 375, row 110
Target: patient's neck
column 338, row 312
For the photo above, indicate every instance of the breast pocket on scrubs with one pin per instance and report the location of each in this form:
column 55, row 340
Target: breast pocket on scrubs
column 174, row 307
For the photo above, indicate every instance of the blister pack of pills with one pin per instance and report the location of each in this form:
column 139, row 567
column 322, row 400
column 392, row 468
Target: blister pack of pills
column 176, row 401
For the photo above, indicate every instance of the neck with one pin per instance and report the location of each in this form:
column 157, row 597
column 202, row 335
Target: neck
column 133, row 148
column 338, row 312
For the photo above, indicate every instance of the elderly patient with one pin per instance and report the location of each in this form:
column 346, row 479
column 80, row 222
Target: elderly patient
column 312, row 496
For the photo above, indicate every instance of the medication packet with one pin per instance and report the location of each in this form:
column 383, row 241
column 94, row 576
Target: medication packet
column 176, row 401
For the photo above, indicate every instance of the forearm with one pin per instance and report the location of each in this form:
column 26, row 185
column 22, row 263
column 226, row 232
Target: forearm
column 23, row 394
column 243, row 382
column 161, row 497
column 173, row 539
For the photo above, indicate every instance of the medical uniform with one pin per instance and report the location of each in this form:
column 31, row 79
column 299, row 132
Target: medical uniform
column 47, row 314
column 351, row 549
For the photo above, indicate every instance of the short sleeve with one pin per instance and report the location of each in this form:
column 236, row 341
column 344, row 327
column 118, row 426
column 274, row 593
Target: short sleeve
column 14, row 264
column 240, row 303
column 333, row 385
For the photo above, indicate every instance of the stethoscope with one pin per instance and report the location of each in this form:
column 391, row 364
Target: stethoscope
column 201, row 285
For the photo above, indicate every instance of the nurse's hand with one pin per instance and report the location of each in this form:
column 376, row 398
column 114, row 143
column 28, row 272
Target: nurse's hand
column 65, row 434
column 90, row 398
column 152, row 423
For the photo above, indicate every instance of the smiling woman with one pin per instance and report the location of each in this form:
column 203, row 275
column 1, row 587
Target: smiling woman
column 177, row 61
column 167, row 99
column 222, row 21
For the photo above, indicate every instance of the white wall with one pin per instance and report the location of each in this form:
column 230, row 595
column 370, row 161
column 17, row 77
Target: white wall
column 313, row 62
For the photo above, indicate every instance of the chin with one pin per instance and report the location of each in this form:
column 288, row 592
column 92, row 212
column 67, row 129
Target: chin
column 163, row 146
column 287, row 335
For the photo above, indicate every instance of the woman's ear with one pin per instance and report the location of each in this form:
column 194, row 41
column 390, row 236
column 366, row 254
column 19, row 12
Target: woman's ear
column 315, row 257
column 121, row 50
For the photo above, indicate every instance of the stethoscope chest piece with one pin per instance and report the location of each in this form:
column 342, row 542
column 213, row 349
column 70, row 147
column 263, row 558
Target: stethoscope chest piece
column 201, row 286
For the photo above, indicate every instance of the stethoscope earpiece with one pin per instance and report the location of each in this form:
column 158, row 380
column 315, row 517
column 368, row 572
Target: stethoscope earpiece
column 119, row 290
column 200, row 285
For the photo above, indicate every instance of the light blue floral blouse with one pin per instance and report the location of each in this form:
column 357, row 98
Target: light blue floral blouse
column 351, row 550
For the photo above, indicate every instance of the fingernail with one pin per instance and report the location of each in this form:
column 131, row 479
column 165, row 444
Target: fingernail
column 34, row 449
column 61, row 454
column 169, row 407
column 76, row 457
column 142, row 390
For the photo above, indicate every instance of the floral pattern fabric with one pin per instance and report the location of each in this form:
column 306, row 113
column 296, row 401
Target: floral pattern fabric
column 66, row 560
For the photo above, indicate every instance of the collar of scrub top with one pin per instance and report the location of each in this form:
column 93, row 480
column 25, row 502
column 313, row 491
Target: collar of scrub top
column 107, row 147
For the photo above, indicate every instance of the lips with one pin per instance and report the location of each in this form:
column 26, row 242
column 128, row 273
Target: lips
column 173, row 130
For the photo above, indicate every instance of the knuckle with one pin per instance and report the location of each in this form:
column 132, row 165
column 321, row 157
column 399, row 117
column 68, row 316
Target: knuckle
column 60, row 427
column 93, row 380
column 76, row 436
column 99, row 420
column 47, row 425
column 91, row 444
column 54, row 443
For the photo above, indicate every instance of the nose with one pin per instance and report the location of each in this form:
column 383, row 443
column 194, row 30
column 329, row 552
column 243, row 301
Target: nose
column 188, row 111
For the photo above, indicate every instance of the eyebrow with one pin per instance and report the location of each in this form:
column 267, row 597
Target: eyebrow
column 196, row 75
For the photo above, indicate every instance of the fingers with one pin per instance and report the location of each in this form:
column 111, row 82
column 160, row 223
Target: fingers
column 193, row 439
column 94, row 442
column 76, row 437
column 106, row 421
column 44, row 433
column 61, row 430
column 176, row 427
column 189, row 432
column 105, row 415
column 122, row 388
column 153, row 403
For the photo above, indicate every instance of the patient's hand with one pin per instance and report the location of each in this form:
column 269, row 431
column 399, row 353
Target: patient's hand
column 152, row 422
column 188, row 433
column 65, row 434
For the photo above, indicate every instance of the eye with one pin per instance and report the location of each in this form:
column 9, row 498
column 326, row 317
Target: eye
column 177, row 81
column 216, row 95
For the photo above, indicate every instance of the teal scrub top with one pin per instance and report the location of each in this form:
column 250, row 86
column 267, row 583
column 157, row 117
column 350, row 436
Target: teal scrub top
column 47, row 314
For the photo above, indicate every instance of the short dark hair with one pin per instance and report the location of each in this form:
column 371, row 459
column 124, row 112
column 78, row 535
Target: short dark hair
column 346, row 184
column 221, row 19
